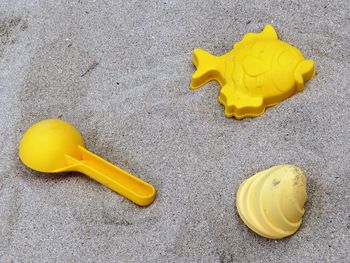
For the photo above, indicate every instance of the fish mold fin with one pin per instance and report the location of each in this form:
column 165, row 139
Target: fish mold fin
column 209, row 67
column 240, row 105
column 268, row 32
column 304, row 71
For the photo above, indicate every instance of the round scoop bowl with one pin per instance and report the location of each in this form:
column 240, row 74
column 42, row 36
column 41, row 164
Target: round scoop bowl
column 46, row 144
column 56, row 146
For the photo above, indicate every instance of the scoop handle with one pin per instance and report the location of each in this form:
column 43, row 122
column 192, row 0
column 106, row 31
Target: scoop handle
column 113, row 177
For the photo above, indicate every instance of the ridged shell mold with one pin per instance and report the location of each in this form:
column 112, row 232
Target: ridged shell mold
column 271, row 202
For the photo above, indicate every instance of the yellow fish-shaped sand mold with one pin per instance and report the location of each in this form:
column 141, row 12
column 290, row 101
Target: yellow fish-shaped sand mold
column 260, row 71
column 271, row 203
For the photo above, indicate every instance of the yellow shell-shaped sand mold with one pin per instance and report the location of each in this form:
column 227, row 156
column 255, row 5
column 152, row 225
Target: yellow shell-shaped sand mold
column 271, row 203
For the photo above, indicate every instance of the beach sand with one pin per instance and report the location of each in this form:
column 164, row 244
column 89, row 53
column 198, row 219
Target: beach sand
column 119, row 71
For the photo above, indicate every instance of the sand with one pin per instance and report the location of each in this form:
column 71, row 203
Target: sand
column 120, row 71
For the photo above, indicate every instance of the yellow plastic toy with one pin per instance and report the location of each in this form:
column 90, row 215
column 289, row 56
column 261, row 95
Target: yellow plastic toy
column 54, row 146
column 271, row 203
column 260, row 71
